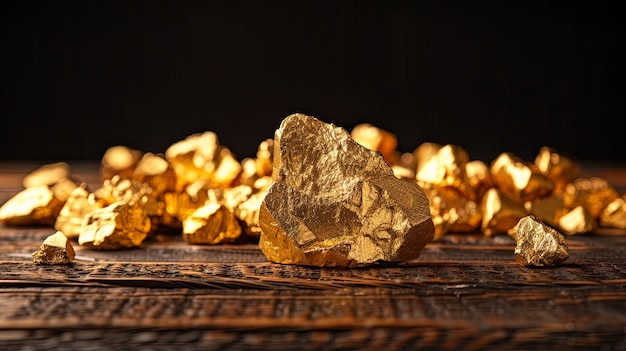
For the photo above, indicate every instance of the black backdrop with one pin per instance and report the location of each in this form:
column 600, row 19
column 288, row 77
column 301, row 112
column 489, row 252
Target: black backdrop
column 490, row 76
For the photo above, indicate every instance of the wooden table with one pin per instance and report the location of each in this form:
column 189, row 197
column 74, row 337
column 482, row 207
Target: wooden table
column 465, row 293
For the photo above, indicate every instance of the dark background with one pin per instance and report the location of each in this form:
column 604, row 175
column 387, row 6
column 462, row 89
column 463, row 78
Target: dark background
column 490, row 76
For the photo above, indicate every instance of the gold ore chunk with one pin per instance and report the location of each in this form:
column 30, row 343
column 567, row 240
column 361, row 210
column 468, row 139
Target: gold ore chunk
column 333, row 202
column 117, row 226
column 211, row 224
column 56, row 249
column 537, row 243
column 36, row 205
column 614, row 214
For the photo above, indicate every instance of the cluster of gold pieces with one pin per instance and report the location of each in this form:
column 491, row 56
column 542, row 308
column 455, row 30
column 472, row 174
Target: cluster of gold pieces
column 56, row 249
column 199, row 188
column 196, row 187
column 468, row 195
column 334, row 202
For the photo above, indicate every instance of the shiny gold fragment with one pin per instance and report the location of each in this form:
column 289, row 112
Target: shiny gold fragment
column 264, row 161
column 130, row 191
column 614, row 214
column 576, row 221
column 517, row 179
column 479, row 177
column 557, row 167
column 334, row 202
column 248, row 214
column 594, row 194
column 423, row 153
column 537, row 243
column 500, row 212
column 119, row 160
column 447, row 169
column 376, row 139
column 451, row 212
column 56, row 249
column 181, row 205
column 78, row 205
column 36, row 205
column 155, row 171
column 117, row 226
column 48, row 174
column 63, row 189
column 211, row 224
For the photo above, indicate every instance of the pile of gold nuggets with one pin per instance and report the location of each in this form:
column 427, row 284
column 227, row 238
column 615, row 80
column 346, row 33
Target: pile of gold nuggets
column 200, row 189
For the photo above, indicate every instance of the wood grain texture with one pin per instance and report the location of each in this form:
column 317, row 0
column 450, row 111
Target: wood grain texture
column 463, row 293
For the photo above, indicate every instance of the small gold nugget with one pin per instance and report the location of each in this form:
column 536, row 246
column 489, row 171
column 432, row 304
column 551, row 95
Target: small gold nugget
column 517, row 179
column 334, row 202
column 447, row 169
column 117, row 226
column 614, row 214
column 576, row 221
column 56, row 249
column 36, row 205
column 211, row 224
column 594, row 194
column 537, row 243
column 500, row 212
column 70, row 219
column 557, row 167
column 376, row 139
column 119, row 160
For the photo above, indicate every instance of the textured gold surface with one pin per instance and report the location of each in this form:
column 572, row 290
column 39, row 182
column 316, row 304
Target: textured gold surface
column 211, row 224
column 117, row 226
column 336, row 203
column 537, row 243
column 56, row 249
column 70, row 218
column 36, row 205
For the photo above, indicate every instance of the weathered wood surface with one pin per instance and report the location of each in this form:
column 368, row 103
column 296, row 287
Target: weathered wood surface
column 465, row 293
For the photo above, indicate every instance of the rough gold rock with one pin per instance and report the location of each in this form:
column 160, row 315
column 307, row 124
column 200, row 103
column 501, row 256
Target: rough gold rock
column 537, row 243
column 154, row 170
column 376, row 139
column 447, row 169
column 614, row 214
column 56, row 249
column 211, row 224
column 500, row 212
column 333, row 202
column 451, row 212
column 557, row 167
column 594, row 194
column 70, row 218
column 117, row 226
column 36, row 205
column 517, row 179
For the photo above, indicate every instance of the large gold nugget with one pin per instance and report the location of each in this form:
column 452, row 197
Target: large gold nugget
column 336, row 203
column 537, row 243
column 56, row 249
column 36, row 205
column 211, row 224
column 116, row 226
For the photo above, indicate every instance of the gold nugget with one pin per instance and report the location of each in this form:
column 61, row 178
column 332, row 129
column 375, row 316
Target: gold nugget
column 117, row 226
column 500, row 212
column 557, row 167
column 594, row 194
column 36, row 205
column 56, row 249
column 334, row 202
column 614, row 214
column 48, row 174
column 211, row 224
column 376, row 139
column 517, row 179
column 537, row 243
column 119, row 160
column 70, row 218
